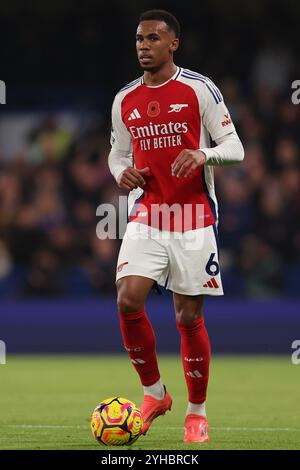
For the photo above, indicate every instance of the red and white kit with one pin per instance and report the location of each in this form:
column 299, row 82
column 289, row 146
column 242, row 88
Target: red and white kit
column 150, row 127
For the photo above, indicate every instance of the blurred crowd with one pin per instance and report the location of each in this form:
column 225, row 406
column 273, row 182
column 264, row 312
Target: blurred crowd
column 50, row 189
column 48, row 201
column 260, row 199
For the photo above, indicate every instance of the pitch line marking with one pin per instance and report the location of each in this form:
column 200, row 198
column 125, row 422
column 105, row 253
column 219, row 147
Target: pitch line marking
column 241, row 429
column 46, row 426
column 54, row 426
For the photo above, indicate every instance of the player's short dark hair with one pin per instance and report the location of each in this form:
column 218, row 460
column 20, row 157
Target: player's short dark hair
column 162, row 15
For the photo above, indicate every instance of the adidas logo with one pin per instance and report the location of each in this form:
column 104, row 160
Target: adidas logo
column 134, row 115
column 138, row 361
column 212, row 284
column 195, row 374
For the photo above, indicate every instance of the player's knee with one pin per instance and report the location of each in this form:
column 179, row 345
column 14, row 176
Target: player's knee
column 128, row 303
column 187, row 317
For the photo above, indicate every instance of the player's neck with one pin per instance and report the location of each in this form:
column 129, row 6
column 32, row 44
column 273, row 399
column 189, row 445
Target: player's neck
column 160, row 76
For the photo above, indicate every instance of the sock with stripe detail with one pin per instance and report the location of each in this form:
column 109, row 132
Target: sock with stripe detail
column 195, row 354
column 140, row 344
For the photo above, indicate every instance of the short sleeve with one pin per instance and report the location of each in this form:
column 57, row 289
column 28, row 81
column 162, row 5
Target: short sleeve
column 215, row 115
column 120, row 138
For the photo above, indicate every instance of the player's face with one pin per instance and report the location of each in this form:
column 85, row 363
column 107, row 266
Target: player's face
column 155, row 44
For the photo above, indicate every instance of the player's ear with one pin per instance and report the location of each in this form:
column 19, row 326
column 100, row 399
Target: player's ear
column 174, row 45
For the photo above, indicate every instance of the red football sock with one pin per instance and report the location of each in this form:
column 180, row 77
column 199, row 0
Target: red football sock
column 195, row 354
column 139, row 341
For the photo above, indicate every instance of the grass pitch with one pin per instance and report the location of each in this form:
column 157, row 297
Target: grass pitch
column 45, row 402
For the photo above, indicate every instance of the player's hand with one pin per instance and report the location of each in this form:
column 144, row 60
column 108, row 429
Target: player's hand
column 132, row 178
column 186, row 162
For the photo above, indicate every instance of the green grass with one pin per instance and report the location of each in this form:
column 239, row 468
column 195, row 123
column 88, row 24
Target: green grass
column 45, row 402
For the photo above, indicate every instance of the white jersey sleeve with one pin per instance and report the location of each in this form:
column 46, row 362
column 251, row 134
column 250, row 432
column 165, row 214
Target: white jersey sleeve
column 229, row 150
column 216, row 119
column 120, row 156
column 215, row 115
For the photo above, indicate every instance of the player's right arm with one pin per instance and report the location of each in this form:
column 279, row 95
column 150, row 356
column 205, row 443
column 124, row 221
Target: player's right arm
column 120, row 159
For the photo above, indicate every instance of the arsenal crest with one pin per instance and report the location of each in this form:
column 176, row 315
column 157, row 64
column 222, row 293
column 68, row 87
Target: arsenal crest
column 153, row 109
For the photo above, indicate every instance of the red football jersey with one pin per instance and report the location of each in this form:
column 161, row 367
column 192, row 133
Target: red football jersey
column 155, row 123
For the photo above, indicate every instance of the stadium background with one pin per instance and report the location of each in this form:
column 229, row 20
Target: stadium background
column 62, row 70
column 62, row 63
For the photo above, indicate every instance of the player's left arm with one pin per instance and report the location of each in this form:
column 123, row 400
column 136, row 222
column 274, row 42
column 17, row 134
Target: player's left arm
column 216, row 118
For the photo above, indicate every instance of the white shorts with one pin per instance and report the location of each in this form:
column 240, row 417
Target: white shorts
column 186, row 263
